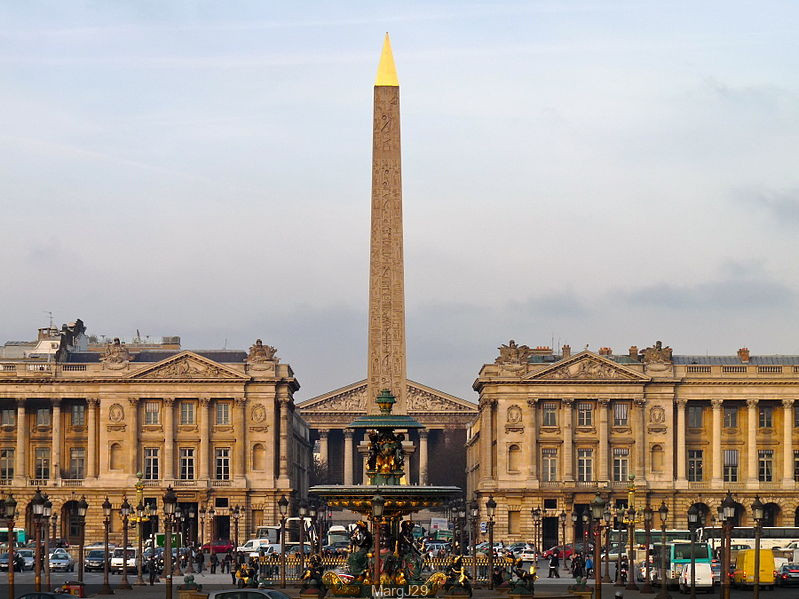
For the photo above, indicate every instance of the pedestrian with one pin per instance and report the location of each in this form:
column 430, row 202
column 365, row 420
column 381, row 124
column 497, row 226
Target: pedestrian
column 200, row 562
column 152, row 569
column 233, row 571
column 554, row 565
column 226, row 563
column 214, row 561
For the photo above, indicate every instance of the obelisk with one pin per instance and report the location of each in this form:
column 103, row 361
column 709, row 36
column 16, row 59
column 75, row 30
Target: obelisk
column 387, row 365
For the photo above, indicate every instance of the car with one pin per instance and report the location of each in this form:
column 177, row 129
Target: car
column 515, row 548
column 528, row 554
column 292, row 548
column 218, row 546
column 19, row 561
column 118, row 559
column 46, row 595
column 560, row 551
column 29, row 555
column 60, row 559
column 252, row 546
column 787, row 575
column 248, row 594
column 94, row 560
column 613, row 553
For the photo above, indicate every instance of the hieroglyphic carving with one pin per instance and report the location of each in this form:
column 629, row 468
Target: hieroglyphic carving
column 387, row 363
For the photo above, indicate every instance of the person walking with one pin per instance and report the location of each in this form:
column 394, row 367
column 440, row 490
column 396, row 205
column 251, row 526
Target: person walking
column 152, row 569
column 200, row 562
column 214, row 561
column 554, row 565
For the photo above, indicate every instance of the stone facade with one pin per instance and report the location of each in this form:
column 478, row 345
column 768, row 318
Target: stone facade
column 554, row 429
column 219, row 426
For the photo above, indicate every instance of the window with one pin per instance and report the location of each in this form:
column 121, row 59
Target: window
column 6, row 463
column 514, row 458
column 795, row 414
column 620, row 411
column 549, row 413
column 621, row 463
column 151, row 469
column 43, row 417
column 223, row 412
column 584, row 414
column 77, row 462
column 550, row 504
column 8, row 417
column 186, row 463
column 730, row 417
column 549, row 464
column 796, row 465
column 694, row 465
column 695, row 416
column 585, row 464
column 222, row 463
column 730, row 465
column 78, row 417
column 514, row 522
column 765, row 465
column 152, row 411
column 765, row 416
column 187, row 412
column 42, row 463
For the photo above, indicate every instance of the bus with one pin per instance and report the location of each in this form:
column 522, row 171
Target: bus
column 677, row 555
column 19, row 534
column 771, row 537
column 621, row 537
column 292, row 531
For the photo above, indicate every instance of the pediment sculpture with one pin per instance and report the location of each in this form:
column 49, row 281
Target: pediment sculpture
column 262, row 357
column 115, row 355
column 587, row 368
column 656, row 358
column 512, row 353
column 186, row 368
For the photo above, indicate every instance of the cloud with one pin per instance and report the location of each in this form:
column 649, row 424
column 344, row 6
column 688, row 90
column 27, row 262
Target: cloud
column 781, row 205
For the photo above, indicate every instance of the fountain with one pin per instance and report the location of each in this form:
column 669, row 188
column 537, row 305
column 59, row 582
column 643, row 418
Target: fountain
column 385, row 561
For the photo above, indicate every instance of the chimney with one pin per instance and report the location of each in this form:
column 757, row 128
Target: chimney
column 605, row 351
column 634, row 352
column 743, row 355
column 567, row 351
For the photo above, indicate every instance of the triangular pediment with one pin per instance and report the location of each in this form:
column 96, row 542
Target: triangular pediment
column 587, row 366
column 352, row 399
column 187, row 366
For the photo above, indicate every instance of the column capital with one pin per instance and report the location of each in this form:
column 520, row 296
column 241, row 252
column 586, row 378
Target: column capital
column 752, row 402
column 133, row 401
column 93, row 402
column 787, row 403
column 348, row 433
column 168, row 401
column 56, row 402
column 567, row 402
column 423, row 432
column 640, row 401
column 240, row 400
column 21, row 401
column 323, row 433
column 204, row 400
column 716, row 404
column 532, row 402
column 603, row 402
column 681, row 402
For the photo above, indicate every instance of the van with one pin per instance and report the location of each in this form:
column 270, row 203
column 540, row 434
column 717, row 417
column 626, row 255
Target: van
column 744, row 573
column 703, row 577
column 253, row 545
column 118, row 557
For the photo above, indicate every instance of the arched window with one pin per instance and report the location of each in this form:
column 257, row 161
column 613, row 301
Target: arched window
column 514, row 458
column 258, row 457
column 115, row 457
column 657, row 458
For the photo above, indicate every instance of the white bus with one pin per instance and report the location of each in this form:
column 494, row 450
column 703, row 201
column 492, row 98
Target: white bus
column 771, row 537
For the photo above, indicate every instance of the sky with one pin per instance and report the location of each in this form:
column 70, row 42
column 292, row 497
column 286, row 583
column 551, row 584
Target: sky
column 598, row 173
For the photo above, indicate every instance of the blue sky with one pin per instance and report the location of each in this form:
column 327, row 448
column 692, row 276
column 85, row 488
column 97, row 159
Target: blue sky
column 594, row 173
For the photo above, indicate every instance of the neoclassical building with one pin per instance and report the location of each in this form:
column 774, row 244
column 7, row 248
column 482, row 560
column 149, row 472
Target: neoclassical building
column 555, row 428
column 80, row 418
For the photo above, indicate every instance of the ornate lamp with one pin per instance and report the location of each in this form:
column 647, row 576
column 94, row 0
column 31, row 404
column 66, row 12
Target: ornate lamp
column 283, row 505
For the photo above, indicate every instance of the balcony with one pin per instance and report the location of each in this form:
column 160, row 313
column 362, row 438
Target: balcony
column 38, row 482
column 6, row 482
column 221, row 483
column 71, row 482
column 185, row 483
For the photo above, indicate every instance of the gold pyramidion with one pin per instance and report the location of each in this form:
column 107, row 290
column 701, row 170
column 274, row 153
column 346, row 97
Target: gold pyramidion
column 386, row 71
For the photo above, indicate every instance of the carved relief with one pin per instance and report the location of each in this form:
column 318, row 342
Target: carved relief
column 262, row 357
column 116, row 413
column 116, row 356
column 424, row 401
column 752, row 402
column 258, row 413
column 657, row 354
column 587, row 368
column 657, row 415
column 187, row 368
column 514, row 414
column 512, row 353
column 353, row 400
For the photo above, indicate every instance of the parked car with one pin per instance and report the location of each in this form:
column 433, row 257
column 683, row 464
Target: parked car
column 560, row 551
column 528, row 554
column 703, row 577
column 118, row 560
column 19, row 562
column 292, row 548
column 46, row 595
column 613, row 553
column 218, row 546
column 788, row 575
column 95, row 560
column 252, row 546
column 250, row 593
column 60, row 559
column 29, row 555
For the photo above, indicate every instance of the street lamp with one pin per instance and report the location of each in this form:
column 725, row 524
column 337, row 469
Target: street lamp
column 140, row 554
column 474, row 508
column 106, row 590
column 170, row 500
column 178, row 525
column 727, row 514
column 586, row 529
column 693, row 523
column 202, row 527
column 190, row 540
column 619, row 545
column 211, row 528
column 536, row 527
column 631, row 586
column 608, row 517
column 758, row 513
column 283, row 505
column 124, row 510
column 378, row 503
column 663, row 511
column 597, row 511
column 236, row 516
column 46, row 513
column 303, row 511
column 562, row 540
column 649, row 516
column 37, row 507
column 462, row 520
column 313, row 512
column 491, row 509
column 10, row 513
column 83, row 507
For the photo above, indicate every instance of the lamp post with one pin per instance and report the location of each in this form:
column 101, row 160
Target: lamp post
column 649, row 515
column 758, row 513
column 575, row 519
column 211, row 528
column 55, row 527
column 536, row 527
column 586, row 529
column 140, row 553
column 48, row 511
column 663, row 511
column 562, row 540
column 37, row 507
column 597, row 511
column 727, row 514
column 303, row 511
column 83, row 507
column 10, row 513
column 124, row 511
column 283, row 505
column 378, row 503
column 177, row 524
column 619, row 545
column 474, row 508
column 190, row 540
column 631, row 586
column 608, row 516
column 462, row 519
column 236, row 516
column 316, row 536
column 106, row 589
column 202, row 527
column 693, row 522
column 170, row 500
column 491, row 509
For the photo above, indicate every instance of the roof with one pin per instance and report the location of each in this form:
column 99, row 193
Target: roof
column 222, row 356
column 756, row 360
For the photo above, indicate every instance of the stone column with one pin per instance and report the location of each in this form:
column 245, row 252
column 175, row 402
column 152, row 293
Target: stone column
column 604, row 406
column 348, row 456
column 92, row 404
column 716, row 406
column 284, row 436
column 20, row 468
column 240, row 432
column 568, row 440
column 55, row 472
column 423, row 456
column 205, row 428
column 751, row 442
column 133, row 436
column 486, row 471
column 682, row 459
column 787, row 443
column 532, row 436
column 640, row 440
column 324, row 451
column 168, row 472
